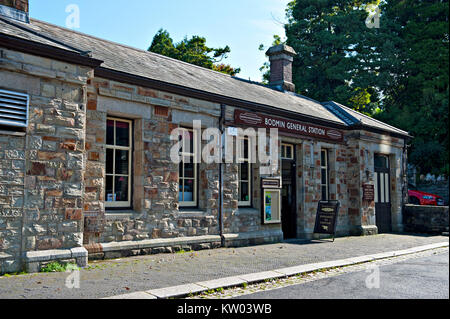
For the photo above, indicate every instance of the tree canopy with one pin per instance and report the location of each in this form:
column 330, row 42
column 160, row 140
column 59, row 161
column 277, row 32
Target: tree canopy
column 396, row 72
column 194, row 51
column 414, row 69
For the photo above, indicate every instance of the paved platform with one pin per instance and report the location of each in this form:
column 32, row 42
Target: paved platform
column 152, row 273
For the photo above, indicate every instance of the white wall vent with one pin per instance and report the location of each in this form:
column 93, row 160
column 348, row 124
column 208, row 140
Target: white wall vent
column 13, row 109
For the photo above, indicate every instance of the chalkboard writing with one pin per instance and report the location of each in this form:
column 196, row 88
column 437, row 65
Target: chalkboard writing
column 326, row 218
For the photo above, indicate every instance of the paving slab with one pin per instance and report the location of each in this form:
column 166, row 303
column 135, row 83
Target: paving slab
column 261, row 276
column 222, row 283
column 176, row 291
column 134, row 295
column 292, row 271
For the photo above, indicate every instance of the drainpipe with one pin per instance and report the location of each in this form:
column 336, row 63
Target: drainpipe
column 405, row 197
column 221, row 128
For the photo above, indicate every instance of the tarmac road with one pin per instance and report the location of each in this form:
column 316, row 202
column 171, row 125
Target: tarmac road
column 421, row 278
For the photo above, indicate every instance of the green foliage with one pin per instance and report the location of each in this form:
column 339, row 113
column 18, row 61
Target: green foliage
column 182, row 251
column 415, row 64
column 194, row 51
column 397, row 73
column 7, row 275
column 57, row 267
column 335, row 59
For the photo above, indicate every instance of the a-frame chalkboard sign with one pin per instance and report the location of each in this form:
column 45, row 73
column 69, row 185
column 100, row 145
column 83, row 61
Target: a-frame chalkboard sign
column 326, row 218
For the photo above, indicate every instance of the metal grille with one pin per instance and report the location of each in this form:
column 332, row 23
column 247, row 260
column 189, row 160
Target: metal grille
column 13, row 109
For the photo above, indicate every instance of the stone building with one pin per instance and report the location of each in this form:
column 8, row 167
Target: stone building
column 85, row 153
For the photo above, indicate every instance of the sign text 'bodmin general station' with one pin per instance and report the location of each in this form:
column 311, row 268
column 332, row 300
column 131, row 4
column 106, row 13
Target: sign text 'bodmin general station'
column 288, row 126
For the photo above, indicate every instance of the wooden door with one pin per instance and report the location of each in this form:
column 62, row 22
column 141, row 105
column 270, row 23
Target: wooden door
column 288, row 193
column 383, row 194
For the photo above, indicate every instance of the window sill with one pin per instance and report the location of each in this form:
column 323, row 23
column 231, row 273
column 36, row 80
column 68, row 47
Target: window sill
column 120, row 214
column 191, row 212
column 247, row 211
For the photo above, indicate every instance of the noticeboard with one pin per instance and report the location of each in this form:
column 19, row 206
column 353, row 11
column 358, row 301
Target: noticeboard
column 272, row 206
column 368, row 192
column 326, row 218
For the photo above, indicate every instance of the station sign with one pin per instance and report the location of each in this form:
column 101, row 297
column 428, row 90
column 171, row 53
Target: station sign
column 289, row 126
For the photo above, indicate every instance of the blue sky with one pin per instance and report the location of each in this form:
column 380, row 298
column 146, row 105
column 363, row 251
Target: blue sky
column 241, row 24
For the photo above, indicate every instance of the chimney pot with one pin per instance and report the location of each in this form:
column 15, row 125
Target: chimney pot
column 281, row 58
column 15, row 9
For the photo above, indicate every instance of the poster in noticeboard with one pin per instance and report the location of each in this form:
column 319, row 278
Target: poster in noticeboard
column 272, row 206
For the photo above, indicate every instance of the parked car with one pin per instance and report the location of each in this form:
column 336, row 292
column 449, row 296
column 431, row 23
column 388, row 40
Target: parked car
column 417, row 197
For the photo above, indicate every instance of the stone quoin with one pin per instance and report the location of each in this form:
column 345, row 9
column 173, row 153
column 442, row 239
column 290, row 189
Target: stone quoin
column 85, row 166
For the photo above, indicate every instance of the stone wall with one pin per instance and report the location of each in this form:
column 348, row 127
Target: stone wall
column 425, row 219
column 371, row 144
column 309, row 184
column 42, row 171
column 12, row 181
column 155, row 213
column 21, row 5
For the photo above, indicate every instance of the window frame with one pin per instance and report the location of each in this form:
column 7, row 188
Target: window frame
column 194, row 203
column 325, row 168
column 242, row 160
column 122, row 204
column 284, row 156
column 385, row 183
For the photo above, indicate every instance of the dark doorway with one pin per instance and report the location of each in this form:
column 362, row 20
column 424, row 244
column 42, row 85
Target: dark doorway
column 289, row 194
column 382, row 194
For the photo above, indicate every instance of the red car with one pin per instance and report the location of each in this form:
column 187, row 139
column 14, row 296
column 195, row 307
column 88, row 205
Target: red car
column 417, row 197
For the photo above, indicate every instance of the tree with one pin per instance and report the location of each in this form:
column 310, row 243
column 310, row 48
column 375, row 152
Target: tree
column 335, row 58
column 192, row 51
column 397, row 72
column 415, row 61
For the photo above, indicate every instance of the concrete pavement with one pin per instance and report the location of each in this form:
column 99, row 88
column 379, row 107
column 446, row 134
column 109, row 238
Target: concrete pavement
column 204, row 268
column 211, row 285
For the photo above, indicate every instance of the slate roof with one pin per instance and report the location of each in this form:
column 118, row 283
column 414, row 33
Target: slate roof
column 349, row 114
column 153, row 66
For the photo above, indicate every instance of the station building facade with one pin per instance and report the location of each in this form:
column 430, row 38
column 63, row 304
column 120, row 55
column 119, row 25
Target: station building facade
column 85, row 153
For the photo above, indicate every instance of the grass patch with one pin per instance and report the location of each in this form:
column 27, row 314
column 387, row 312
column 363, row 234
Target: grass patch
column 57, row 267
column 7, row 275
column 182, row 251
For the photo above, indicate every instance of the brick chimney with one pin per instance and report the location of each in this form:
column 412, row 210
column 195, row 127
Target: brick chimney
column 281, row 58
column 15, row 9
